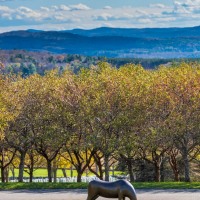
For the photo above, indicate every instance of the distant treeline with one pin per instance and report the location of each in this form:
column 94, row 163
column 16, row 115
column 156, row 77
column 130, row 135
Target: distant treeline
column 27, row 63
column 152, row 63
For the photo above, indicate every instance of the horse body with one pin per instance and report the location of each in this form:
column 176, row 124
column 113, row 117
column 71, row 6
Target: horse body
column 119, row 189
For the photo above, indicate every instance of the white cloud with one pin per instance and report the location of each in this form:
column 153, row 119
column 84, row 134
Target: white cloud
column 64, row 8
column 79, row 6
column 29, row 13
column 24, row 9
column 76, row 7
column 180, row 8
column 5, row 9
column 103, row 16
column 187, row 6
column 5, row 13
column 182, row 13
column 45, row 9
column 59, row 17
column 6, row 16
column 159, row 5
column 107, row 7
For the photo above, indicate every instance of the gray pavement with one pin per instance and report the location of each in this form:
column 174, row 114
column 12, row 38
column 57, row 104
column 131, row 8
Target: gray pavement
column 80, row 194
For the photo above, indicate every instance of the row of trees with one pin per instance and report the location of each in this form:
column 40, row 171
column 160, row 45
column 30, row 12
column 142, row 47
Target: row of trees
column 102, row 113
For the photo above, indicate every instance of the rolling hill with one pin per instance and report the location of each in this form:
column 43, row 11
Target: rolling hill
column 109, row 42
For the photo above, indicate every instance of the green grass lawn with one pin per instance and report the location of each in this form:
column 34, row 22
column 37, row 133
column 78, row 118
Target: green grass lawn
column 145, row 185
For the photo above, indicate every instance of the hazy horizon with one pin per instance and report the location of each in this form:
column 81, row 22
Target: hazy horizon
column 87, row 14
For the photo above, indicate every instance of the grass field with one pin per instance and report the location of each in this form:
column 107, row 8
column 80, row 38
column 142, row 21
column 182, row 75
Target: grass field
column 138, row 185
column 43, row 173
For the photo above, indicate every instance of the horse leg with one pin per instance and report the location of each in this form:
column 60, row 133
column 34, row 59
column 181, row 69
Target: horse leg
column 120, row 196
column 133, row 197
column 92, row 197
column 95, row 197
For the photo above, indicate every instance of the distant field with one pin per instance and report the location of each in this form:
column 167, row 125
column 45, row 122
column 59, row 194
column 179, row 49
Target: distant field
column 43, row 173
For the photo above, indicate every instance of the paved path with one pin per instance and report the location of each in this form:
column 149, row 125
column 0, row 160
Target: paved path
column 82, row 195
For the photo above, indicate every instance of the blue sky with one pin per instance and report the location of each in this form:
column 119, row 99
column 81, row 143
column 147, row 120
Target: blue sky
column 91, row 3
column 87, row 14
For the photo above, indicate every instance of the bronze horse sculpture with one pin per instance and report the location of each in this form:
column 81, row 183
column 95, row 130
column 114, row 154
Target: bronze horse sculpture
column 118, row 189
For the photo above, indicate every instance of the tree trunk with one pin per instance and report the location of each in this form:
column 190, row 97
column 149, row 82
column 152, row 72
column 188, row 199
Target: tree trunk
column 13, row 172
column 176, row 176
column 130, row 170
column 79, row 178
column 2, row 174
column 64, row 172
column 99, row 166
column 2, row 167
column 49, row 169
column 54, row 171
column 21, row 166
column 55, row 175
column 157, row 161
column 186, row 164
column 7, row 174
column 31, row 166
column 98, row 171
column 174, row 165
column 175, row 172
column 31, row 175
column 71, row 171
column 106, row 157
column 157, row 172
column 79, row 175
column 113, row 170
column 96, row 168
column 162, row 171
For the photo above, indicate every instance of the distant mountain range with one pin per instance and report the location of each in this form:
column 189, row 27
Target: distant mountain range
column 140, row 33
column 110, row 42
